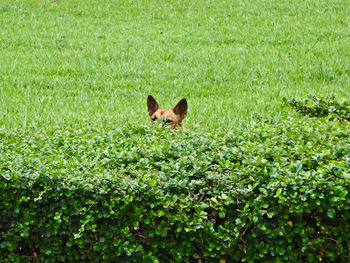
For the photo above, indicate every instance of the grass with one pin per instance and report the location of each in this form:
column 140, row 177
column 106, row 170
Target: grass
column 79, row 62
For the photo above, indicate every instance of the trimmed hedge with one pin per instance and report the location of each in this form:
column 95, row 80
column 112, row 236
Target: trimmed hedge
column 270, row 193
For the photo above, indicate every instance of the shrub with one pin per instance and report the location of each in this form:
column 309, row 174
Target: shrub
column 316, row 106
column 270, row 193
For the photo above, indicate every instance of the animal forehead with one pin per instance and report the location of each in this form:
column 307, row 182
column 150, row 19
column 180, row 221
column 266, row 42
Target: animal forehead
column 164, row 113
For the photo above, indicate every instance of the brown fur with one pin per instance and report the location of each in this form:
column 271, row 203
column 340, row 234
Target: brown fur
column 173, row 117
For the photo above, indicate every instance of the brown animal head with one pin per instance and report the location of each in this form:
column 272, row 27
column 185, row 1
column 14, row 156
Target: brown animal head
column 172, row 117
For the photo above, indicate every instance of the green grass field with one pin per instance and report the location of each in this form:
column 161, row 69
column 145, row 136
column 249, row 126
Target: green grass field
column 81, row 62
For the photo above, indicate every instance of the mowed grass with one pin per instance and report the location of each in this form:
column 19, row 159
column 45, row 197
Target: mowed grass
column 90, row 62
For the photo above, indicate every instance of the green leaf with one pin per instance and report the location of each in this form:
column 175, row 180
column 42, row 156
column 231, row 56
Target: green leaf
column 222, row 214
column 174, row 199
column 196, row 256
column 270, row 214
column 278, row 192
column 3, row 244
column 331, row 213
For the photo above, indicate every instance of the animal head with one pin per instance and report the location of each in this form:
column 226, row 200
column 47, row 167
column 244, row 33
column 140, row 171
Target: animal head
column 172, row 117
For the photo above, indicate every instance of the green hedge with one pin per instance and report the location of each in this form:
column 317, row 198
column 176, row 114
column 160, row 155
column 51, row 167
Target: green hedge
column 269, row 193
column 316, row 106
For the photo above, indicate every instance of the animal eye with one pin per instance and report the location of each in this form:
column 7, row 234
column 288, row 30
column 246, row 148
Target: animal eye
column 154, row 118
column 168, row 121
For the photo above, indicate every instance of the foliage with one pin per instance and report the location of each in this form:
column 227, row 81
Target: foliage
column 274, row 192
column 316, row 106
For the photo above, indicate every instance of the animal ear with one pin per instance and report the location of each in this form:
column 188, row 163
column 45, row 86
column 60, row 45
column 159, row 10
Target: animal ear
column 152, row 105
column 181, row 109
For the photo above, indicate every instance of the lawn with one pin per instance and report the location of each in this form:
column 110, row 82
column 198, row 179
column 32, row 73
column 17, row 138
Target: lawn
column 91, row 62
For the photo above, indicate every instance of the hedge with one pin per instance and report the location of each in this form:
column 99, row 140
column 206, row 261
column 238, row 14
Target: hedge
column 316, row 106
column 272, row 192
